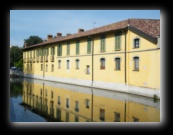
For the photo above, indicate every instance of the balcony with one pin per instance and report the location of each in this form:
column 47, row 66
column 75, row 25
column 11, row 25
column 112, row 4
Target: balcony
column 33, row 60
column 30, row 60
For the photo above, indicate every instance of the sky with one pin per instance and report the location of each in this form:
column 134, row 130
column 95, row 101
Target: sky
column 26, row 23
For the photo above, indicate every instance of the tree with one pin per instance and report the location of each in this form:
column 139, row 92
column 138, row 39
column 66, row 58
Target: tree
column 15, row 55
column 33, row 40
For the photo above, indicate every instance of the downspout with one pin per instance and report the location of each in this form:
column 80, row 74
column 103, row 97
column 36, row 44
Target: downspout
column 92, row 61
column 125, row 66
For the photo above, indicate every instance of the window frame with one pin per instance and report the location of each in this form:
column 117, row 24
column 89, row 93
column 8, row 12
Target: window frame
column 136, row 63
column 117, row 63
column 102, row 43
column 134, row 42
column 118, row 41
column 102, row 63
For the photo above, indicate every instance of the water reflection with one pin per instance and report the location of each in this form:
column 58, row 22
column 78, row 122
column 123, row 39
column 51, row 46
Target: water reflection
column 69, row 103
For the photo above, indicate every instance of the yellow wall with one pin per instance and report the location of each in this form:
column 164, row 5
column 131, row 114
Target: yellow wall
column 148, row 75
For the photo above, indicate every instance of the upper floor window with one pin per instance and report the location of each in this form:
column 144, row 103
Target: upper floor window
column 59, row 50
column 102, row 43
column 136, row 63
column 53, row 51
column 68, row 48
column 136, row 43
column 77, row 47
column 117, row 63
column 117, row 42
column 102, row 63
column 89, row 45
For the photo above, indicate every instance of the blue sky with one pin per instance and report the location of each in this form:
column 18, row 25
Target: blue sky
column 26, row 23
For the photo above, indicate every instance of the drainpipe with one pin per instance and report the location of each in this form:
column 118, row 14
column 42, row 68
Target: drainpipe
column 125, row 66
column 43, row 62
column 92, row 61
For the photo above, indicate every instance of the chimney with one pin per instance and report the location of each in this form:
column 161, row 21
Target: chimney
column 26, row 45
column 80, row 30
column 49, row 37
column 68, row 34
column 59, row 34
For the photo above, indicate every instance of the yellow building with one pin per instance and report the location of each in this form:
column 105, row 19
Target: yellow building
column 123, row 56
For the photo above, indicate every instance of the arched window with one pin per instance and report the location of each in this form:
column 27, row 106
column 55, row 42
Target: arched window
column 68, row 64
column 136, row 63
column 77, row 64
column 117, row 63
column 102, row 63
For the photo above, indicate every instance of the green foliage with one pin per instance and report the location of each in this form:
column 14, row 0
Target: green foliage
column 155, row 98
column 32, row 40
column 15, row 55
column 19, row 64
column 16, row 89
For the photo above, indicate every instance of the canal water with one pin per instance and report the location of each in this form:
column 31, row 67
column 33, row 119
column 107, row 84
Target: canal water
column 33, row 100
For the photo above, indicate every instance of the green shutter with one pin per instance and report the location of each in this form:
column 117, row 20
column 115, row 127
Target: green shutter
column 102, row 44
column 77, row 47
column 117, row 42
column 89, row 46
column 60, row 50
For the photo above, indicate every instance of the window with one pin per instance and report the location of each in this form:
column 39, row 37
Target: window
column 77, row 64
column 59, row 64
column 135, row 119
column 76, row 106
column 40, row 91
column 117, row 117
column 67, row 102
column 53, row 51
column 87, row 69
column 51, row 94
column 59, row 100
column 58, row 114
column 41, row 67
column 117, row 63
column 76, row 118
column 77, row 48
column 87, row 103
column 46, row 92
column 117, row 42
column 46, row 68
column 102, row 63
column 102, row 44
column 68, row 64
column 136, row 43
column 136, row 63
column 59, row 50
column 89, row 45
column 52, row 68
column 102, row 114
column 68, row 48
column 67, row 116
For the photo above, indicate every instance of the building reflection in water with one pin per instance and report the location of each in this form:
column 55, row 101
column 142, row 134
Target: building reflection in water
column 70, row 103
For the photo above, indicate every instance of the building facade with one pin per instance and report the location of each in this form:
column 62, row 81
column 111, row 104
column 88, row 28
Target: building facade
column 123, row 56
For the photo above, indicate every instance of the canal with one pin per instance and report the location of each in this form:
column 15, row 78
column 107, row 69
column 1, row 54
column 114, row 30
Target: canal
column 33, row 100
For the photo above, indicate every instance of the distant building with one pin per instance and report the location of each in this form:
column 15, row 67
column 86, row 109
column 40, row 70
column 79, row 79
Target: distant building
column 123, row 56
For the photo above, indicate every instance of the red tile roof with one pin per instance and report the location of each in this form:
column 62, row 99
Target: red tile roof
column 150, row 27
